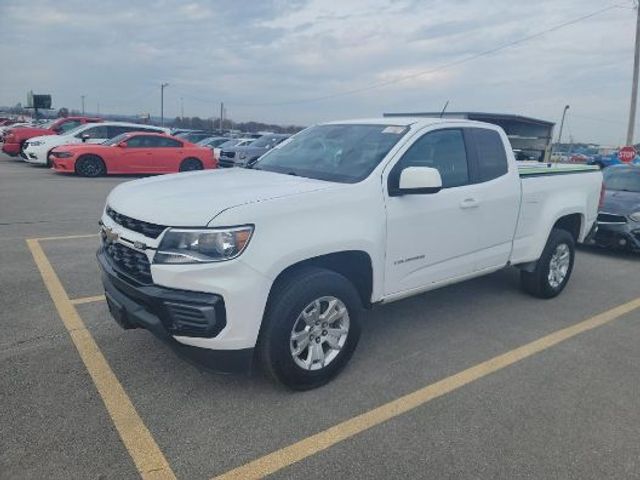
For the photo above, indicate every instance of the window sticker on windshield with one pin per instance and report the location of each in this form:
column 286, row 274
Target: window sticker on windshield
column 393, row 129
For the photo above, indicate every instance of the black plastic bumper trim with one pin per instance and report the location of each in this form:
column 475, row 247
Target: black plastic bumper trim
column 142, row 306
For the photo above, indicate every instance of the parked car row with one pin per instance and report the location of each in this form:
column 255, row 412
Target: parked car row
column 90, row 146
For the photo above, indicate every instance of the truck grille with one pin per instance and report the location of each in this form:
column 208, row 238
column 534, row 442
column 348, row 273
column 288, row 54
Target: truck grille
column 611, row 218
column 131, row 262
column 150, row 230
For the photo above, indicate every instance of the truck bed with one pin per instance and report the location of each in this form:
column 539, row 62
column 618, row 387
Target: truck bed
column 537, row 169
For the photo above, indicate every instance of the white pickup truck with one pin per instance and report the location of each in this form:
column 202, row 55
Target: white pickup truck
column 274, row 264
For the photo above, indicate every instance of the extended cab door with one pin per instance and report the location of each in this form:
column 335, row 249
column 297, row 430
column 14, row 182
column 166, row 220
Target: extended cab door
column 495, row 174
column 437, row 237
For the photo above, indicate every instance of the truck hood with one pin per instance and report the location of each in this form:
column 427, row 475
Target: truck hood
column 194, row 199
column 620, row 202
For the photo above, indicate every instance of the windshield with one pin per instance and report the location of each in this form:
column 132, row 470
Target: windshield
column 116, row 140
column 77, row 129
column 339, row 153
column 625, row 179
column 265, row 141
column 229, row 143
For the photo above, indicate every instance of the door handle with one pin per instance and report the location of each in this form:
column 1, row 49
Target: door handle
column 469, row 203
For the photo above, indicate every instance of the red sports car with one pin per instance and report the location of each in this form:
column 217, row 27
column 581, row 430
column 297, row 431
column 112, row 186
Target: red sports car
column 133, row 152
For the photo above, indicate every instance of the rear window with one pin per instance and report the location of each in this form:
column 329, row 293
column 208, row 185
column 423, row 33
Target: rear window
column 492, row 159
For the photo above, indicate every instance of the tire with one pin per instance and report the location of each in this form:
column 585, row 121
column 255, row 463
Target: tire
column 558, row 255
column 190, row 165
column 305, row 292
column 90, row 166
column 48, row 163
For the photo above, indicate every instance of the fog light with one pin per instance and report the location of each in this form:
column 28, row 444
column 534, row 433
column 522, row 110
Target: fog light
column 622, row 242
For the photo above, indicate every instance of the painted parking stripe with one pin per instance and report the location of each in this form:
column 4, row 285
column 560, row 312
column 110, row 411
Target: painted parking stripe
column 147, row 456
column 66, row 237
column 83, row 300
column 309, row 446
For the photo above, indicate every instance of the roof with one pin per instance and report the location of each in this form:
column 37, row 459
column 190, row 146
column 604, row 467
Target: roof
column 401, row 121
column 473, row 116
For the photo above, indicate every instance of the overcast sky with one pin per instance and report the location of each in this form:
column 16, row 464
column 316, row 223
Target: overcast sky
column 278, row 60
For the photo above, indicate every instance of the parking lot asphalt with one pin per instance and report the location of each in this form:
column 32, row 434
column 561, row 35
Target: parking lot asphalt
column 569, row 411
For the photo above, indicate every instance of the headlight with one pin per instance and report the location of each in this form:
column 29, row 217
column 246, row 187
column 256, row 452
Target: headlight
column 62, row 154
column 179, row 246
column 37, row 143
column 635, row 216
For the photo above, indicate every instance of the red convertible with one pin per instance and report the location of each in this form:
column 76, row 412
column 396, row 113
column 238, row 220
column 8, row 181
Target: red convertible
column 133, row 152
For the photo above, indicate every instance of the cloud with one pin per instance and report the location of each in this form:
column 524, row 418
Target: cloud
column 273, row 60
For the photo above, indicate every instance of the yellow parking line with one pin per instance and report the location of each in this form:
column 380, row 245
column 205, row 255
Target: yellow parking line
column 307, row 447
column 83, row 300
column 65, row 237
column 137, row 439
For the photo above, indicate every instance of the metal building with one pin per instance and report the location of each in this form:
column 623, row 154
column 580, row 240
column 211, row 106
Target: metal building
column 530, row 137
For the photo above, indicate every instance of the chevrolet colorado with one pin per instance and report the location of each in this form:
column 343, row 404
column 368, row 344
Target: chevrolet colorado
column 274, row 264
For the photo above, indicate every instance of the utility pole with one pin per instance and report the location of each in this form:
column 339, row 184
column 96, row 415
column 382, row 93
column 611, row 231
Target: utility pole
column 221, row 114
column 98, row 108
column 162, row 87
column 82, row 97
column 564, row 113
column 634, row 84
column 181, row 108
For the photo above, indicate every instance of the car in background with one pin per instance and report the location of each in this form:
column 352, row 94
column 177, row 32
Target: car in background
column 213, row 142
column 36, row 150
column 246, row 156
column 604, row 161
column 233, row 142
column 15, row 138
column 619, row 215
column 132, row 153
column 193, row 136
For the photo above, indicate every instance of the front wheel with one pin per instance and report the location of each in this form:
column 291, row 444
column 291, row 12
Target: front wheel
column 311, row 328
column 553, row 269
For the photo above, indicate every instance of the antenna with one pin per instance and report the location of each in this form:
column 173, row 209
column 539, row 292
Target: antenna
column 444, row 108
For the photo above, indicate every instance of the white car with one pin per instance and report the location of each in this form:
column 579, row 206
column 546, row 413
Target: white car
column 36, row 150
column 276, row 262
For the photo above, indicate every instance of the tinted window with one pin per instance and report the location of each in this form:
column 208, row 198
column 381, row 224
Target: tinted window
column 167, row 142
column 492, row 159
column 141, row 141
column 94, row 132
column 65, row 127
column 443, row 150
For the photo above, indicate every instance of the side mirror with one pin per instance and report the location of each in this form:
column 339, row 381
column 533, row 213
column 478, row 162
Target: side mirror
column 122, row 144
column 85, row 137
column 418, row 180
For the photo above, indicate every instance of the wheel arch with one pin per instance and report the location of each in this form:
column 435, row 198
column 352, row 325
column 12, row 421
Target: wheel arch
column 355, row 265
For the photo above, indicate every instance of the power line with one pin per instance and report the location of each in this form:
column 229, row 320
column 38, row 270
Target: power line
column 443, row 66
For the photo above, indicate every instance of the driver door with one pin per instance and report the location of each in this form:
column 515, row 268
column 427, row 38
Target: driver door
column 431, row 237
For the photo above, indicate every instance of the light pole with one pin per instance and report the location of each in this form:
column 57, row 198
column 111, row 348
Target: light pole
column 162, row 87
column 634, row 84
column 564, row 113
column 82, row 97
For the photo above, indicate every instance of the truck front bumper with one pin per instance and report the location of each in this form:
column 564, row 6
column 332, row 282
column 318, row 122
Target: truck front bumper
column 168, row 313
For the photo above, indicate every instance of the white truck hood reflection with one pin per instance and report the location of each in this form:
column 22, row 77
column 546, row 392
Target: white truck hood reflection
column 194, row 199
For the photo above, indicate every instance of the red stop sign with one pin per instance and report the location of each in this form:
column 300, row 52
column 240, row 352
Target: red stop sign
column 627, row 154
